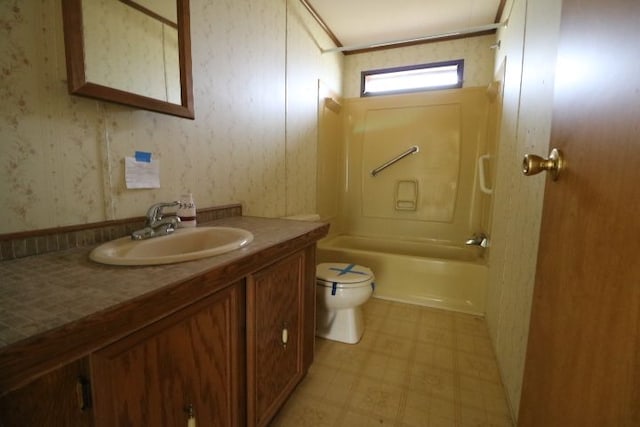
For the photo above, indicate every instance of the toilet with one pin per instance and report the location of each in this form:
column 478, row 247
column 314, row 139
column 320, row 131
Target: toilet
column 341, row 290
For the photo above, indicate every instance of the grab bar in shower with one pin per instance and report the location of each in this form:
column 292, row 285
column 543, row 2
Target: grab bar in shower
column 385, row 165
column 482, row 174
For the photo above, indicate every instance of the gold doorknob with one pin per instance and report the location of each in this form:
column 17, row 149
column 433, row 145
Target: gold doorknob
column 532, row 164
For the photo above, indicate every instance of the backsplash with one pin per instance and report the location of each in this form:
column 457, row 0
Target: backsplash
column 19, row 245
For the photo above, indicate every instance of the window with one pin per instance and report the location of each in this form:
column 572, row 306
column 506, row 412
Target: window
column 414, row 78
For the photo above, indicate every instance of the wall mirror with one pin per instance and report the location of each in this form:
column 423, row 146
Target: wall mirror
column 132, row 52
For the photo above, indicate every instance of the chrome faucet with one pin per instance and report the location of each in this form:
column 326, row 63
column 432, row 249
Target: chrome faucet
column 478, row 240
column 157, row 224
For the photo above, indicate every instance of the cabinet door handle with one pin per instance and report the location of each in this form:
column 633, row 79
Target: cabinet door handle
column 191, row 417
column 285, row 335
column 83, row 393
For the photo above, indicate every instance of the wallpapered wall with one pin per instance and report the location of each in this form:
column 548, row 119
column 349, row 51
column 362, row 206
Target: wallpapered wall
column 476, row 52
column 256, row 64
column 528, row 50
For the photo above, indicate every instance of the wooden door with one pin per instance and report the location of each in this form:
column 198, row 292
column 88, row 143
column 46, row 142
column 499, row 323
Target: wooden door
column 583, row 357
column 190, row 359
column 275, row 364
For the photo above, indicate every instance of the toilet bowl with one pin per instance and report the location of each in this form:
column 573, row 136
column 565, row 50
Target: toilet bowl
column 341, row 290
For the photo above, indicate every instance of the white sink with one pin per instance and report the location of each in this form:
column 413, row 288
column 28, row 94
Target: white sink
column 184, row 244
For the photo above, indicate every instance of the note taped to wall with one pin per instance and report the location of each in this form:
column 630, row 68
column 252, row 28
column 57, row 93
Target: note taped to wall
column 142, row 174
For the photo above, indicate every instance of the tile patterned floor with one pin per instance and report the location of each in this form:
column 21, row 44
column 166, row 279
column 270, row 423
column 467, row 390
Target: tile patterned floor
column 415, row 367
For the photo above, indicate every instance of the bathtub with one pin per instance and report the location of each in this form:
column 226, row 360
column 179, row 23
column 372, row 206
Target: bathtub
column 434, row 275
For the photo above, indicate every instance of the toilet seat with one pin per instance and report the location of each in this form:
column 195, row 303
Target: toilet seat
column 343, row 275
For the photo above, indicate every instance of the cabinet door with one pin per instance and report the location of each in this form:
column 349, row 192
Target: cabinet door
column 189, row 360
column 59, row 398
column 275, row 298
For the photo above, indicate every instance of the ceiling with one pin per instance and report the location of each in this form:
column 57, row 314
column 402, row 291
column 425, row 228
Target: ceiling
column 358, row 23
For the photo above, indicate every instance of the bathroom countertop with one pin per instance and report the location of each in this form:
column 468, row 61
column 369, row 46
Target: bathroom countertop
column 50, row 297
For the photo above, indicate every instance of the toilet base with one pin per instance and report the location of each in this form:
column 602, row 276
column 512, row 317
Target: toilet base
column 344, row 325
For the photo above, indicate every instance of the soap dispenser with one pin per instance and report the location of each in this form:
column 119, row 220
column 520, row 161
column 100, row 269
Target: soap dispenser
column 187, row 211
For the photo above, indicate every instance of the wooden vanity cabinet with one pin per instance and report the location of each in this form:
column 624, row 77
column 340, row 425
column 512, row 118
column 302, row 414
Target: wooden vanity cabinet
column 276, row 321
column 190, row 363
column 60, row 398
column 230, row 358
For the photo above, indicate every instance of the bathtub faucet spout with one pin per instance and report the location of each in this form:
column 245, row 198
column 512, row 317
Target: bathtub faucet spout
column 478, row 240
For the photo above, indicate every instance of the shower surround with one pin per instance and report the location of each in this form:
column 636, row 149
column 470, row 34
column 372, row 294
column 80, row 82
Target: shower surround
column 409, row 221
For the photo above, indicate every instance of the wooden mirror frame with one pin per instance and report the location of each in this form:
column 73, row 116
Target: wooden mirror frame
column 76, row 75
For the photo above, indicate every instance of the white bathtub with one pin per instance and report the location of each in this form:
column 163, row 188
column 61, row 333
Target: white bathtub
column 441, row 276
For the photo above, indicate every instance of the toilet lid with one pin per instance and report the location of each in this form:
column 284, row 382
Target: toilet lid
column 342, row 273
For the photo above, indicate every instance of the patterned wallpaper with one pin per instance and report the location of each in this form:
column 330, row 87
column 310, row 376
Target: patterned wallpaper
column 528, row 49
column 256, row 64
column 476, row 51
